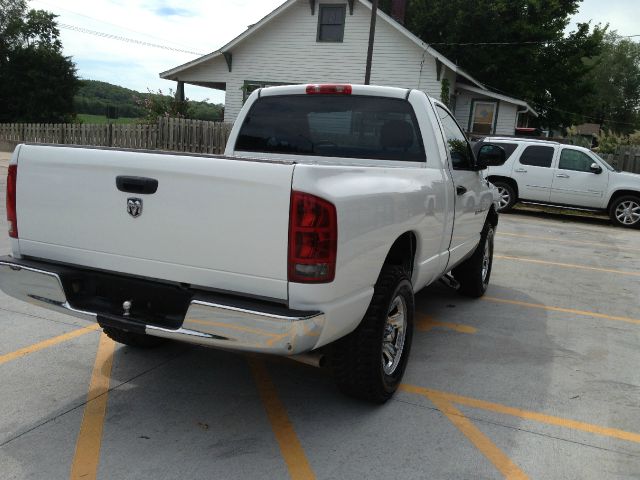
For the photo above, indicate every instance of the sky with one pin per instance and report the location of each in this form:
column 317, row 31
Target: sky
column 200, row 27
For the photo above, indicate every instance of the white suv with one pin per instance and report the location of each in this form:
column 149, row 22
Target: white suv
column 550, row 173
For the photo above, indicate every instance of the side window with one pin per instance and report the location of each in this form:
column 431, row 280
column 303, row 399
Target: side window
column 537, row 156
column 457, row 143
column 331, row 23
column 508, row 148
column 575, row 160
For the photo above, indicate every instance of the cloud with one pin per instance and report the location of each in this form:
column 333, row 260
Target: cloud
column 173, row 12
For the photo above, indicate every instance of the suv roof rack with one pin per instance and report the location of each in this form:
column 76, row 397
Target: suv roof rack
column 519, row 139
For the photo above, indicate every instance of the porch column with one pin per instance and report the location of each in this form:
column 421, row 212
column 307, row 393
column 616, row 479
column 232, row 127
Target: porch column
column 180, row 91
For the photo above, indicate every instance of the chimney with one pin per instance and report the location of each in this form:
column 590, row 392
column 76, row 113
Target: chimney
column 398, row 10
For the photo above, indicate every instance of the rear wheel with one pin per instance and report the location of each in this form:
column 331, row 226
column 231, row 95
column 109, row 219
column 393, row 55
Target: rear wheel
column 507, row 195
column 474, row 273
column 625, row 211
column 369, row 362
column 137, row 340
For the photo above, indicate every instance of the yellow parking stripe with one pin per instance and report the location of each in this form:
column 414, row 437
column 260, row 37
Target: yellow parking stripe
column 569, row 242
column 567, row 265
column 290, row 447
column 585, row 313
column 525, row 414
column 87, row 454
column 424, row 323
column 496, row 456
column 47, row 343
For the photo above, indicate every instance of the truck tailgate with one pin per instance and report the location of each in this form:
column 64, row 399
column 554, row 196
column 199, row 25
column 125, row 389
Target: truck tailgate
column 212, row 222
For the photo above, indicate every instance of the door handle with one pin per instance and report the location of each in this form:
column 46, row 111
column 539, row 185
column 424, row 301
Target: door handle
column 520, row 170
column 460, row 190
column 136, row 184
column 562, row 175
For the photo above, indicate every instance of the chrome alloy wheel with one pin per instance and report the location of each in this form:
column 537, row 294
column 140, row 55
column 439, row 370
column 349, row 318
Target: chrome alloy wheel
column 395, row 331
column 486, row 256
column 505, row 197
column 628, row 212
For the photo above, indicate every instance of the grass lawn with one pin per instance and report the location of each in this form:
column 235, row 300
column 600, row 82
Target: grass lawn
column 86, row 118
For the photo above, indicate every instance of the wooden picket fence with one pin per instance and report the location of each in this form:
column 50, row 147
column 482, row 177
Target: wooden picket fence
column 171, row 134
column 626, row 159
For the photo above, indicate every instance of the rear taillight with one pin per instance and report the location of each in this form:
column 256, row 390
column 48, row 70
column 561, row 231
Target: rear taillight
column 12, row 218
column 313, row 239
column 329, row 89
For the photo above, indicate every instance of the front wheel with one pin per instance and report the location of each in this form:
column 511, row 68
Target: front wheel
column 473, row 274
column 369, row 362
column 625, row 211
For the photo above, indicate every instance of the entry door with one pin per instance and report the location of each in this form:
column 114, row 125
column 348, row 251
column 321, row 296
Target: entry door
column 472, row 199
column 533, row 173
column 575, row 184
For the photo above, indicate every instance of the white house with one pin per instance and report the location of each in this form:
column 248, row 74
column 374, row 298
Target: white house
column 309, row 41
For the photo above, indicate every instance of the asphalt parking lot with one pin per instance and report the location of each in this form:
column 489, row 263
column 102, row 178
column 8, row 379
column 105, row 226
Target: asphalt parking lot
column 540, row 380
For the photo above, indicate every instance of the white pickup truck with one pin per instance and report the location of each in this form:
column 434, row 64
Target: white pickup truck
column 331, row 206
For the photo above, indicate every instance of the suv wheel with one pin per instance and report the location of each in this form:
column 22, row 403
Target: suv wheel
column 507, row 195
column 625, row 211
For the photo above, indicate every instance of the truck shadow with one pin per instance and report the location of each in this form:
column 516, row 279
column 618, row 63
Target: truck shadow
column 207, row 400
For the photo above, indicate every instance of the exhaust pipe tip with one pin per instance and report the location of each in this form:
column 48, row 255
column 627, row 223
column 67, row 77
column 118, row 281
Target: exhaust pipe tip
column 317, row 360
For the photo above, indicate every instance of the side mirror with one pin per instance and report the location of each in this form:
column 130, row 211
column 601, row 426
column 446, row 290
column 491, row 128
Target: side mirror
column 595, row 168
column 490, row 155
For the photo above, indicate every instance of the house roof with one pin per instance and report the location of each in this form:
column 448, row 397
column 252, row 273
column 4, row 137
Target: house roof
column 589, row 129
column 253, row 28
column 498, row 96
column 171, row 74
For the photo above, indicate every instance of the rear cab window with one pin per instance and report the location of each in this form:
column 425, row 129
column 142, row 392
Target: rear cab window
column 345, row 126
column 537, row 156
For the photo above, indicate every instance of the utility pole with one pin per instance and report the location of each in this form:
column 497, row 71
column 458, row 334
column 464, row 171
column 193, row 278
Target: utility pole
column 372, row 34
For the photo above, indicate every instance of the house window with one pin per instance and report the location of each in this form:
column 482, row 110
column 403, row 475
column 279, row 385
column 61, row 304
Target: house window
column 483, row 117
column 331, row 23
column 251, row 85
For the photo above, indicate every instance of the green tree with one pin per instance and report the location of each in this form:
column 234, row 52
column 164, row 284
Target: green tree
column 37, row 82
column 615, row 103
column 549, row 73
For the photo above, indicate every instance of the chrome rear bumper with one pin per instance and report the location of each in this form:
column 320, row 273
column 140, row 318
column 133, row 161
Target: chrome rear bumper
column 223, row 324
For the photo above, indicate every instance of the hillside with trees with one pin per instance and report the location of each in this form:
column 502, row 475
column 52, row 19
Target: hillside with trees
column 96, row 98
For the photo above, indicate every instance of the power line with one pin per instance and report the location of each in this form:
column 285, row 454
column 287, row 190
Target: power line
column 109, row 23
column 534, row 42
column 125, row 39
column 560, row 110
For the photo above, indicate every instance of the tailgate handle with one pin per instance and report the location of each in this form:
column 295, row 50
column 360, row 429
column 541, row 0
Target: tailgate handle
column 136, row 184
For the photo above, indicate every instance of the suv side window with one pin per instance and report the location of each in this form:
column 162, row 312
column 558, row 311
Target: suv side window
column 575, row 160
column 537, row 156
column 508, row 148
column 461, row 155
